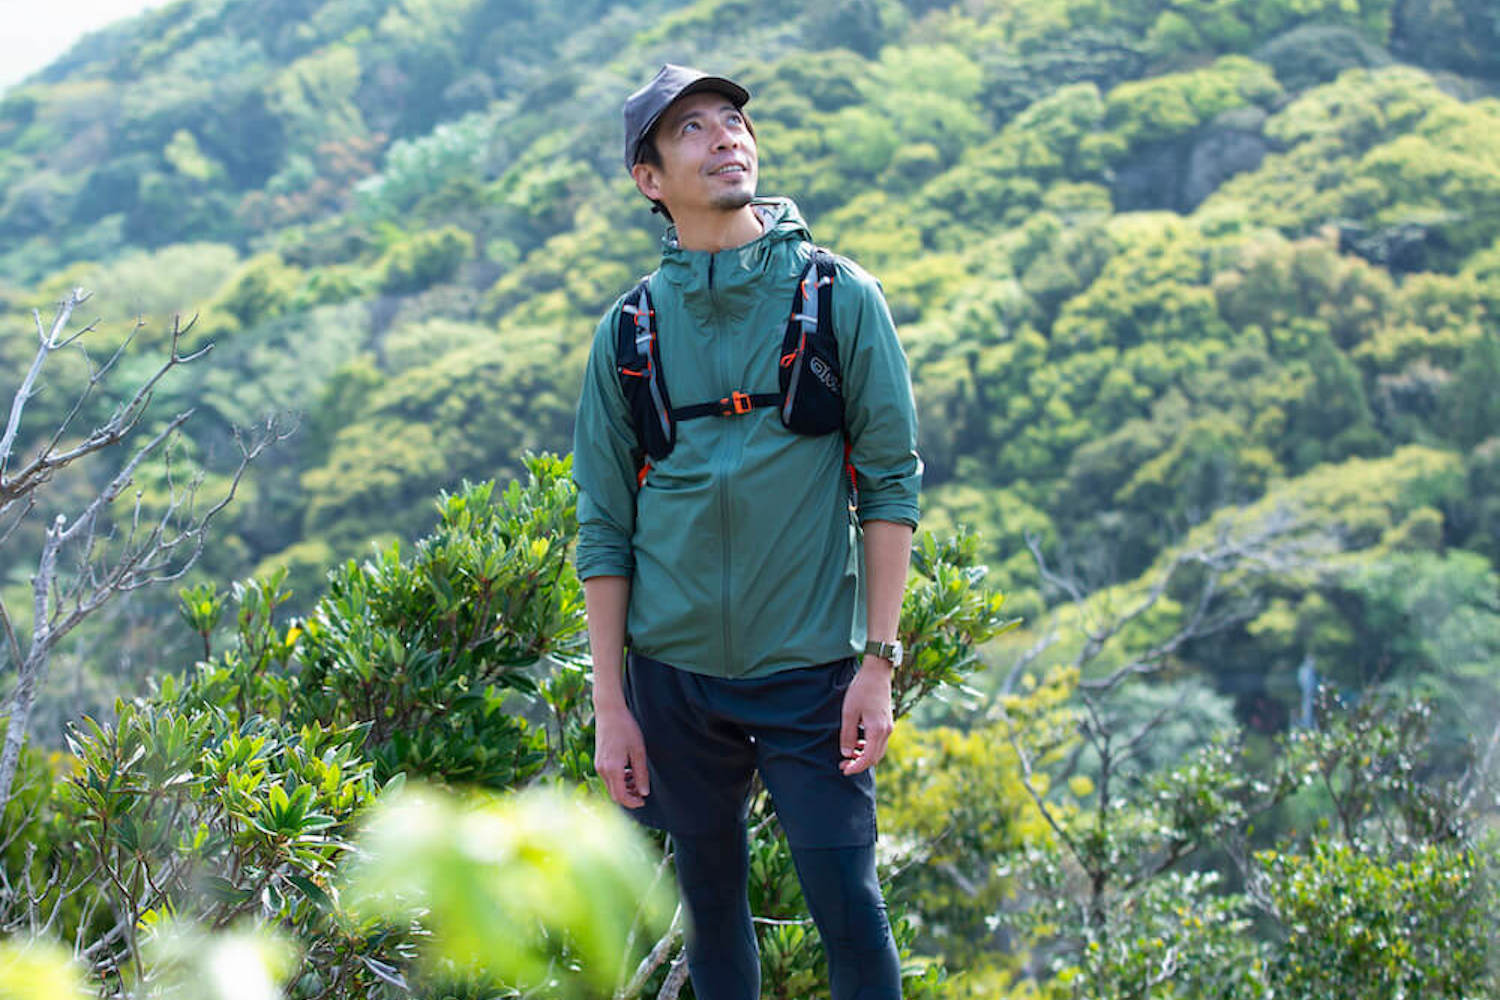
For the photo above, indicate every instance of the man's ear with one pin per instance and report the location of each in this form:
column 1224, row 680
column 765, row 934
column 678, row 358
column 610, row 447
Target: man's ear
column 647, row 180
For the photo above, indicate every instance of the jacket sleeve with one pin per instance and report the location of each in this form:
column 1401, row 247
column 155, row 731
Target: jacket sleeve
column 880, row 414
column 604, row 464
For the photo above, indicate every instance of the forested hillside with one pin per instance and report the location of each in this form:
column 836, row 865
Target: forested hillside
column 1150, row 260
column 1195, row 292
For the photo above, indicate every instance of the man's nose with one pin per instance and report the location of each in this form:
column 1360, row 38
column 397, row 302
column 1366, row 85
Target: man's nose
column 725, row 137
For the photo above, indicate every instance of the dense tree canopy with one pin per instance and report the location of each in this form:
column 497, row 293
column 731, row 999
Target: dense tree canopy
column 1164, row 269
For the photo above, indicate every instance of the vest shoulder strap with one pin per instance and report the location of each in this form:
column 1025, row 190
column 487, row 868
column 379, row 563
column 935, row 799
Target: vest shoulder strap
column 638, row 365
column 811, row 374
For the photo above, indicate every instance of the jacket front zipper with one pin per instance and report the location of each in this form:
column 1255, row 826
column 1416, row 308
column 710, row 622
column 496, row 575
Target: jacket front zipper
column 721, row 342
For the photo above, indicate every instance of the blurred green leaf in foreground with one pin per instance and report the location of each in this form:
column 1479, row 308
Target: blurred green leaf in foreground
column 535, row 887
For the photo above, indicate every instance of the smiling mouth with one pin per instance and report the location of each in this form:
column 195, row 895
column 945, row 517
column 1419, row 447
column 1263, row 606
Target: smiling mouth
column 728, row 170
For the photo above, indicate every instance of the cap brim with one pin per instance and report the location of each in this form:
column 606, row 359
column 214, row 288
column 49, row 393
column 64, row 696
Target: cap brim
column 717, row 84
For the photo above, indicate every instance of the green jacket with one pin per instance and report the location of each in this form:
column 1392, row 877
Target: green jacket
column 744, row 556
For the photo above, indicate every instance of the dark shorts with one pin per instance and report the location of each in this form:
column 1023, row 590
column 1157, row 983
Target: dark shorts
column 706, row 736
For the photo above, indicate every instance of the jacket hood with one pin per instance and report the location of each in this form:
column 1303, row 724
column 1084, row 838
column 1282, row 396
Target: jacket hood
column 726, row 283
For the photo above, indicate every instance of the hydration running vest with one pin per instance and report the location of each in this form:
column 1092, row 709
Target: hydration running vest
column 810, row 398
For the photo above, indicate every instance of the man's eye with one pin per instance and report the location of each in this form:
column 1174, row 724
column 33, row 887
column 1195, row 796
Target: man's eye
column 689, row 126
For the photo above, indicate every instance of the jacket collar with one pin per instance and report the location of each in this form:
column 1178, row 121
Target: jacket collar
column 727, row 284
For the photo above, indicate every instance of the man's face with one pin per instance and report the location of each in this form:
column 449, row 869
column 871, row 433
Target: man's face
column 708, row 158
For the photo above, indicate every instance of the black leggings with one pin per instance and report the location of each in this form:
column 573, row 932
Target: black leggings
column 842, row 894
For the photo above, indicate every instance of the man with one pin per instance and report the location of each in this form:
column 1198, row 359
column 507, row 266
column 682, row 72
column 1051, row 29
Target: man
column 761, row 632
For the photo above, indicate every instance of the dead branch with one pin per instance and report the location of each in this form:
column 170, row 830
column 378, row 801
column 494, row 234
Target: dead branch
column 1028, row 781
column 1026, row 659
column 1224, row 567
column 48, row 459
column 128, row 554
column 677, row 976
column 659, row 953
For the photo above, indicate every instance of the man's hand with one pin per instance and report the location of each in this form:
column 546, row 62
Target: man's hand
column 620, row 757
column 867, row 706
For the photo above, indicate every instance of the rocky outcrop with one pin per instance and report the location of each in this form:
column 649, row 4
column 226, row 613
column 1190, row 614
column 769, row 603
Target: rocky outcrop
column 1179, row 175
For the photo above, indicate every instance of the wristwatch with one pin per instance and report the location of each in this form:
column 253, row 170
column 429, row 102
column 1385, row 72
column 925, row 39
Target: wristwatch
column 885, row 650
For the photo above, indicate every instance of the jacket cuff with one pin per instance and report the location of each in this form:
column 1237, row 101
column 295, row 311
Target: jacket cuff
column 900, row 511
column 602, row 552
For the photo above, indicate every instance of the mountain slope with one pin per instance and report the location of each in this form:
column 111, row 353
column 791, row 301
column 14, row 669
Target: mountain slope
column 1153, row 261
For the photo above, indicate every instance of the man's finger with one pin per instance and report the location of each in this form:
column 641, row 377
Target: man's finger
column 870, row 750
column 849, row 730
column 641, row 772
column 859, row 762
column 618, row 782
column 876, row 744
column 623, row 791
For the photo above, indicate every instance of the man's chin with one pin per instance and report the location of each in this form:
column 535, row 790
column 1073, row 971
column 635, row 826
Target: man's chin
column 733, row 201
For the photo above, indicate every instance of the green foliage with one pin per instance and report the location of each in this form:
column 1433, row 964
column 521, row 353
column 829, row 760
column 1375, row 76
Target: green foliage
column 423, row 260
column 1314, row 341
column 1392, row 894
column 1362, row 926
column 193, row 813
column 512, row 888
column 945, row 619
column 424, row 651
column 416, row 168
column 436, row 424
column 1426, row 625
column 1166, row 106
column 36, row 970
column 264, row 289
column 1471, row 409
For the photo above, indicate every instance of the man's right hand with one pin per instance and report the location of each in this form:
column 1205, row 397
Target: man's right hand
column 620, row 757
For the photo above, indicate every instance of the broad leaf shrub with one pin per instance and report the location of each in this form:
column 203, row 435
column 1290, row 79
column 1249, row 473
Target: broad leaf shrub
column 947, row 614
column 231, row 796
column 191, row 815
column 229, row 802
column 1419, row 923
column 426, row 651
column 1388, row 890
column 536, row 887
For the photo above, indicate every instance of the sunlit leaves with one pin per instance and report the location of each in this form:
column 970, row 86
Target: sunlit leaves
column 38, row 970
column 508, row 886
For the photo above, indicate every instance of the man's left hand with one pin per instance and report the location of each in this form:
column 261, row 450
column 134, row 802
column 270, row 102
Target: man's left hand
column 867, row 706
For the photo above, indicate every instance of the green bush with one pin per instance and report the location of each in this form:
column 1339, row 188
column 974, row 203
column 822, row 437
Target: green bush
column 1361, row 926
column 426, row 259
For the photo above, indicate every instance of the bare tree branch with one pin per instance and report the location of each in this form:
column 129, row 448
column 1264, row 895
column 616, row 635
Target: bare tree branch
column 148, row 549
column 96, row 376
column 1218, row 572
column 654, row 959
column 1028, row 781
column 48, row 343
column 1026, row 659
column 125, row 418
column 677, row 976
column 12, row 644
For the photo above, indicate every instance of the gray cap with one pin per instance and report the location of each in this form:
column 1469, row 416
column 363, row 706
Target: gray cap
column 645, row 106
